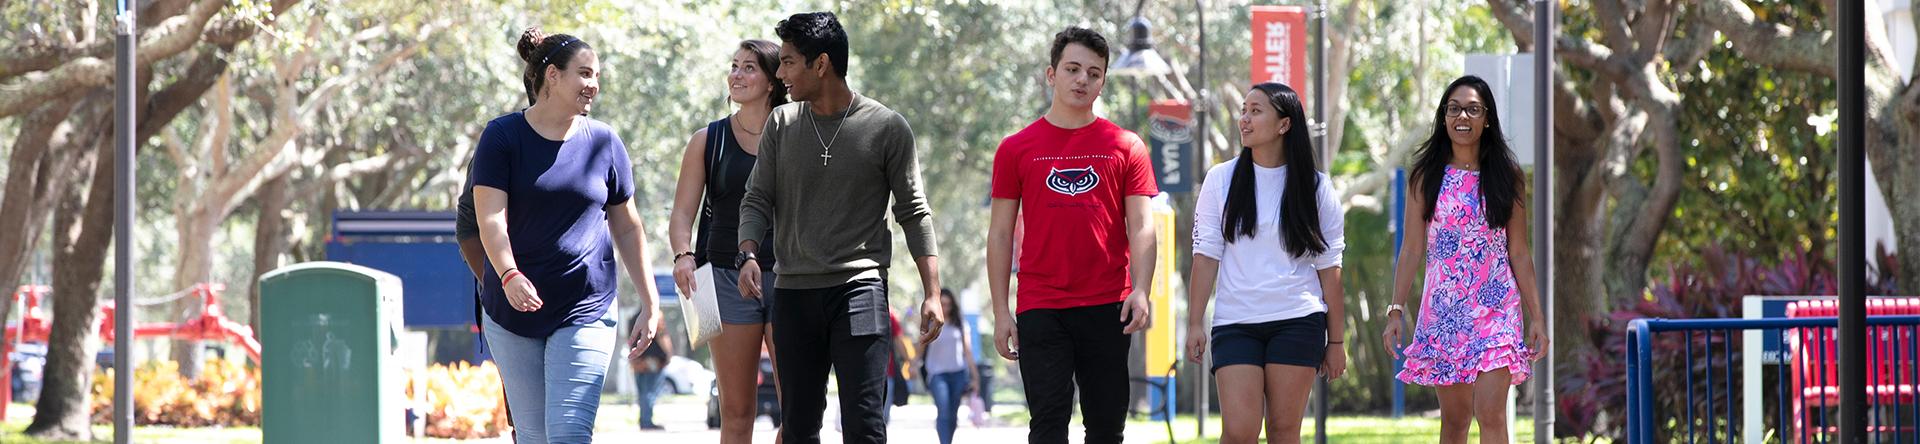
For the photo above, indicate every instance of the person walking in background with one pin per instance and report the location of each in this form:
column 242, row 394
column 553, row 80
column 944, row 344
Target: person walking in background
column 1466, row 220
column 1083, row 188
column 949, row 368
column 898, row 377
column 1268, row 230
column 649, row 368
column 553, row 195
column 713, row 179
column 827, row 167
column 466, row 233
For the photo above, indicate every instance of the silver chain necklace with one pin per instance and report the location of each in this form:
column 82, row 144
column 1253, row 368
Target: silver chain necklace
column 826, row 153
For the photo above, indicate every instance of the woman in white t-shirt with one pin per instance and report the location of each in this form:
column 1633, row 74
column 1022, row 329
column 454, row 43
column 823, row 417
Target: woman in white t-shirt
column 948, row 364
column 1268, row 231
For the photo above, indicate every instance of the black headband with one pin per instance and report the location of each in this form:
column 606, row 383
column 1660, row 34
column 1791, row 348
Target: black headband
column 556, row 48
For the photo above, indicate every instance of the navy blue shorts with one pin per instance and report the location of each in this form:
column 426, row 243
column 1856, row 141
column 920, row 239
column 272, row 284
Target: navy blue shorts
column 1300, row 341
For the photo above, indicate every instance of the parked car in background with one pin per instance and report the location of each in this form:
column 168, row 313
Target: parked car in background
column 767, row 397
column 685, row 376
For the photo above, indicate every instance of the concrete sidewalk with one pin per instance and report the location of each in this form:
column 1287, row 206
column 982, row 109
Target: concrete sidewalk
column 685, row 420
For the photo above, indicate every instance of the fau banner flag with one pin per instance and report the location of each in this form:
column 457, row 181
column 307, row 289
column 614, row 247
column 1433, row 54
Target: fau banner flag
column 1280, row 46
column 1170, row 144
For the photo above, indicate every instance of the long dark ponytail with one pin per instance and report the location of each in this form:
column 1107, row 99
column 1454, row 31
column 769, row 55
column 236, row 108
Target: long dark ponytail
column 1500, row 177
column 1299, row 201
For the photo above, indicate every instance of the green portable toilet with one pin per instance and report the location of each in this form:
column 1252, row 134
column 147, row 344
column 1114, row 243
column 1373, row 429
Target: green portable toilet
column 328, row 334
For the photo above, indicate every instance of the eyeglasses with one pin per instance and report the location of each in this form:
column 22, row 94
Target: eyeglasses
column 1473, row 112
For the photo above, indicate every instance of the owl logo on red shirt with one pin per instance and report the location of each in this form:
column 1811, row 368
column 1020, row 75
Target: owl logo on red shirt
column 1072, row 182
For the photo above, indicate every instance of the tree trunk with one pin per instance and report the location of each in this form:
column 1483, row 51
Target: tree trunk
column 1578, row 241
column 64, row 410
column 1890, row 146
column 1906, row 221
column 269, row 240
column 67, row 73
column 196, row 229
column 27, row 164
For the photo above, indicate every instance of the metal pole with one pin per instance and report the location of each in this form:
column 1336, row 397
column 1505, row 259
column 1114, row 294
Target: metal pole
column 1200, row 107
column 1200, row 390
column 1319, row 132
column 1202, row 102
column 1320, row 85
column 125, row 41
column 1398, row 226
column 1544, row 21
column 1853, row 251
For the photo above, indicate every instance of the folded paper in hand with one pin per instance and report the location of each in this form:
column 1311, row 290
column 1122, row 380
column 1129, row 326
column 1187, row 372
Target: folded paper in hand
column 701, row 308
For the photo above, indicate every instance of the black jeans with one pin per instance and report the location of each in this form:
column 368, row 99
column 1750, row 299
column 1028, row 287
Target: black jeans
column 843, row 328
column 1084, row 345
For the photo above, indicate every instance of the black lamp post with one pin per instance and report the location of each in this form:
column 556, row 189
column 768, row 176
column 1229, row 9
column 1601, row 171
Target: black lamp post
column 1142, row 61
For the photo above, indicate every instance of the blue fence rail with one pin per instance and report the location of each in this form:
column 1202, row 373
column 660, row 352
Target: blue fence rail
column 1803, row 387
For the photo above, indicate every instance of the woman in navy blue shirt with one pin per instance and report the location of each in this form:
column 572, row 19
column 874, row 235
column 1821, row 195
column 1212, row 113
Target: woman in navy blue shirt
column 553, row 191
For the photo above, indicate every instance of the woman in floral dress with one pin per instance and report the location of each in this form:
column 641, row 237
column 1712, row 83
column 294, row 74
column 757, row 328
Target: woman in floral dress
column 1466, row 204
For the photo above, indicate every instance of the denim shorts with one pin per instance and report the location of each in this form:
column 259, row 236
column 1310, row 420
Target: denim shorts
column 1300, row 341
column 736, row 308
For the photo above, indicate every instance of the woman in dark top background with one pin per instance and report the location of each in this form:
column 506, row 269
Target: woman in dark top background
column 649, row 371
column 552, row 193
column 713, row 177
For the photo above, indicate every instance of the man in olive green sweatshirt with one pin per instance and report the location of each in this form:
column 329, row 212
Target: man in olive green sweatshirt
column 827, row 165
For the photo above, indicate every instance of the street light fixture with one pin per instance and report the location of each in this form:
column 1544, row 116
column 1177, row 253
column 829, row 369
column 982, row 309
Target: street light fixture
column 1140, row 60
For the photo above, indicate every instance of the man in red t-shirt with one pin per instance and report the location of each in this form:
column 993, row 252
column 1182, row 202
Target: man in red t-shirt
column 1080, row 186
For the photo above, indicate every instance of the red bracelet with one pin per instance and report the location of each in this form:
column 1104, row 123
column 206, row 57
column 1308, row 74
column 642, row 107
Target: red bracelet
column 510, row 276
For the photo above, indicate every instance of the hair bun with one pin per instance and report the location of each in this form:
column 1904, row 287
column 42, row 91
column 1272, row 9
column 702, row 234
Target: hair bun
column 530, row 43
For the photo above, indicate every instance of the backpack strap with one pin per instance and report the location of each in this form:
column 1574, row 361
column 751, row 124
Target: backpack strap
column 717, row 146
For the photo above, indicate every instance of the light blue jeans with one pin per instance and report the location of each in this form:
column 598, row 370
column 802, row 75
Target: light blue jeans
column 949, row 390
column 649, row 392
column 553, row 383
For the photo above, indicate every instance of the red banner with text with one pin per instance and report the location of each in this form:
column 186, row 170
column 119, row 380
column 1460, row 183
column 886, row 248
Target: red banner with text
column 1280, row 46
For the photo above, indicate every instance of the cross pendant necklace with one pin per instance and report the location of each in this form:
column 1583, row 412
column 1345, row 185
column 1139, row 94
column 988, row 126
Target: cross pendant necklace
column 826, row 153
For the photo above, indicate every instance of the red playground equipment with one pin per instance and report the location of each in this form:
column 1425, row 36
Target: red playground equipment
column 209, row 325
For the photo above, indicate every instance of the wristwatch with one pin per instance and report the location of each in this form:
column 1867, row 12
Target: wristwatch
column 677, row 256
column 1393, row 308
column 740, row 260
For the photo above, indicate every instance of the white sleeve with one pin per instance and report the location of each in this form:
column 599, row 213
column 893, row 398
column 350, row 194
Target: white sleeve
column 1333, row 226
column 1207, row 240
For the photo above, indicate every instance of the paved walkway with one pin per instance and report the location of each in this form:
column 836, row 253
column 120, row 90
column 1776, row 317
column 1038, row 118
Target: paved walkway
column 685, row 420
